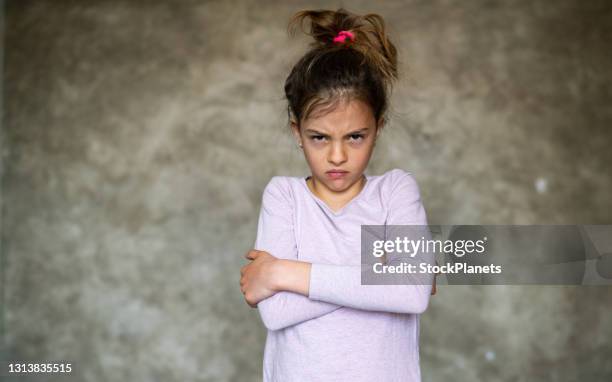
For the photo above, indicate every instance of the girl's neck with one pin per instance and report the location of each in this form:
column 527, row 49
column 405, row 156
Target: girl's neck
column 334, row 199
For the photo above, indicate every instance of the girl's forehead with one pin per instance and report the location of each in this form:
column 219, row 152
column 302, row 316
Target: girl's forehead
column 339, row 131
column 346, row 116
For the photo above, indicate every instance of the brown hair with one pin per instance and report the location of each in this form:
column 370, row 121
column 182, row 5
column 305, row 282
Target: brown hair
column 363, row 69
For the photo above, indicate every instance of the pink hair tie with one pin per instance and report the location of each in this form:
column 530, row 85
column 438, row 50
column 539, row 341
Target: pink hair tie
column 342, row 36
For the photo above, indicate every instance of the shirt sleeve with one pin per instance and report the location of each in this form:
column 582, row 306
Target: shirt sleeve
column 341, row 284
column 275, row 235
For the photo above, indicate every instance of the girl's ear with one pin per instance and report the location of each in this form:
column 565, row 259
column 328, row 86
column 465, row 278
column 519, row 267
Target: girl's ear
column 296, row 133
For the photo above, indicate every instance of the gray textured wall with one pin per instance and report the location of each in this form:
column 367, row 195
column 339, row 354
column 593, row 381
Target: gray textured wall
column 139, row 136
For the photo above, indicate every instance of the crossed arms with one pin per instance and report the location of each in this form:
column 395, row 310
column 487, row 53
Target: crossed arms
column 311, row 290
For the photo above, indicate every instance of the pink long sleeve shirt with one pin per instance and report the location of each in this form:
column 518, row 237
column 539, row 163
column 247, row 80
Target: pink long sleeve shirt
column 343, row 331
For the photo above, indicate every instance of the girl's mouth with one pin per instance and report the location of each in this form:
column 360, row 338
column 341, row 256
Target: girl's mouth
column 336, row 174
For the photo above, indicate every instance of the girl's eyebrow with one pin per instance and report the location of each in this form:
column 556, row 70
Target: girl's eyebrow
column 326, row 135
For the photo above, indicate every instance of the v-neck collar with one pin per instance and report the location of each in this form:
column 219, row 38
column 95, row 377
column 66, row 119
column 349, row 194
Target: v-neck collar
column 343, row 209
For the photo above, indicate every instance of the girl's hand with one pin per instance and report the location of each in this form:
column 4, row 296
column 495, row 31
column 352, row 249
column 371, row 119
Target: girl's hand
column 256, row 278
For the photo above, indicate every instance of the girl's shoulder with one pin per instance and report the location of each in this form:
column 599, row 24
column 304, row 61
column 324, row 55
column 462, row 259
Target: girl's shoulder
column 290, row 186
column 391, row 178
column 395, row 175
column 387, row 184
column 281, row 183
column 399, row 176
column 281, row 189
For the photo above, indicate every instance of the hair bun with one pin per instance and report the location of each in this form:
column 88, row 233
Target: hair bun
column 369, row 36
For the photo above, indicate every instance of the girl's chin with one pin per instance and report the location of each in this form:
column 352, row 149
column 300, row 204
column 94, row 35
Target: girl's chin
column 338, row 184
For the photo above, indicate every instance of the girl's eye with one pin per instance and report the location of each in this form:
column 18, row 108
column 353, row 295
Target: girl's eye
column 353, row 137
column 356, row 137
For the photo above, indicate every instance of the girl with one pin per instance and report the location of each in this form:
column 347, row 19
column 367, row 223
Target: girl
column 305, row 273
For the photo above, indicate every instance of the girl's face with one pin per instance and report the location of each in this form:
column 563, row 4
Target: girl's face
column 341, row 140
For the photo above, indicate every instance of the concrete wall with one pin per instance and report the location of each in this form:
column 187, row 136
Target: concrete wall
column 139, row 136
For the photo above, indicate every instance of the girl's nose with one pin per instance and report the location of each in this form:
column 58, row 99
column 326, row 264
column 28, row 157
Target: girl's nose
column 337, row 154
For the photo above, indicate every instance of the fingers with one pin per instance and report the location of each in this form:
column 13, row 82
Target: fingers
column 252, row 254
column 251, row 304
